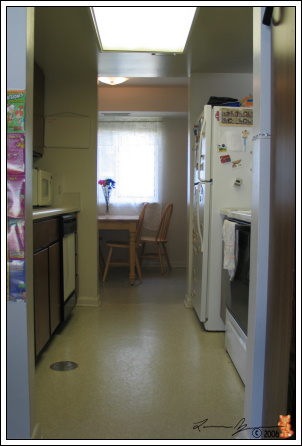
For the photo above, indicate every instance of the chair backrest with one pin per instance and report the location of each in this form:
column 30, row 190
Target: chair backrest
column 140, row 226
column 163, row 227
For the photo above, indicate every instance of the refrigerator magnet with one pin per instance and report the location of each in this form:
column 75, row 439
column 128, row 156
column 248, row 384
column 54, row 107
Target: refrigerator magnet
column 222, row 147
column 225, row 159
column 236, row 164
column 237, row 182
column 244, row 136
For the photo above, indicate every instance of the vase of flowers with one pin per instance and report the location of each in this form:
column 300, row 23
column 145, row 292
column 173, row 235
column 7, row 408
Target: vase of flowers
column 107, row 186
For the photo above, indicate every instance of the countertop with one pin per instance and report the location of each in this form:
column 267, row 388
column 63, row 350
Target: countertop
column 45, row 212
column 238, row 214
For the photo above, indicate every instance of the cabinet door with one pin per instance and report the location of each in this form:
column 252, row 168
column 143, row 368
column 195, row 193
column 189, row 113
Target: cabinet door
column 54, row 286
column 45, row 233
column 41, row 299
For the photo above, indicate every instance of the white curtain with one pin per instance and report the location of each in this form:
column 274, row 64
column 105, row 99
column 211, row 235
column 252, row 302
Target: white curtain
column 129, row 153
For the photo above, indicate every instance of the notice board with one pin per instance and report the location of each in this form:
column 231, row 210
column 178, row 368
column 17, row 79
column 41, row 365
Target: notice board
column 67, row 131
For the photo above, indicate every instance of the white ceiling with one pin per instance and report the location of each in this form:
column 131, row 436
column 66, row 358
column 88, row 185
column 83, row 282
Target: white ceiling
column 220, row 42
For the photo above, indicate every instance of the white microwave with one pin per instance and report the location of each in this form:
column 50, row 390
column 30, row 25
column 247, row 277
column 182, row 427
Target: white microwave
column 42, row 188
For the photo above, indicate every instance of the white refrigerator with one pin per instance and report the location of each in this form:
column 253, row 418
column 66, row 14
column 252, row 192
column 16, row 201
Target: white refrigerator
column 222, row 179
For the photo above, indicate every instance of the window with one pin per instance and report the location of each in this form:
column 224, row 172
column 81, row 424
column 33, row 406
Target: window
column 128, row 153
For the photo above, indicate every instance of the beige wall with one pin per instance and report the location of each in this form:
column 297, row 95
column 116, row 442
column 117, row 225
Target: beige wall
column 161, row 99
column 74, row 170
column 174, row 184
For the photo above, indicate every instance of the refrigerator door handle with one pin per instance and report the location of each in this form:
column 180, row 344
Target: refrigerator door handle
column 204, row 182
column 199, row 146
column 198, row 220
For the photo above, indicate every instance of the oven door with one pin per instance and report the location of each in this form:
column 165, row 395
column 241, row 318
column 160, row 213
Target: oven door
column 237, row 290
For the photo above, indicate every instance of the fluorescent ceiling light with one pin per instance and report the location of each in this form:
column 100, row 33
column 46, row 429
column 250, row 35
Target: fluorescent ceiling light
column 143, row 29
column 112, row 80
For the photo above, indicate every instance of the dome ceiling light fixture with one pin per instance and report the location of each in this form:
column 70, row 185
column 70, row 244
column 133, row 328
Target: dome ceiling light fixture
column 143, row 29
column 112, row 80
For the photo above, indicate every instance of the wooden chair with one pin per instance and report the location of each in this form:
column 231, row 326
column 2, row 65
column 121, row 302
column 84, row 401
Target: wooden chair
column 125, row 245
column 159, row 240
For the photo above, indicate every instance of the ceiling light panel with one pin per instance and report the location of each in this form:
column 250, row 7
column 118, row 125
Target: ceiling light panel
column 143, row 29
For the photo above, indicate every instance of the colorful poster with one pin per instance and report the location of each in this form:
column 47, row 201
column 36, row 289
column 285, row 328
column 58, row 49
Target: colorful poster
column 16, row 196
column 16, row 271
column 17, row 280
column 15, row 111
column 15, row 153
column 16, row 239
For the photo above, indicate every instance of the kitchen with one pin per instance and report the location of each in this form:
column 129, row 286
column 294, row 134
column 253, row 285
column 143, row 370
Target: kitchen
column 62, row 87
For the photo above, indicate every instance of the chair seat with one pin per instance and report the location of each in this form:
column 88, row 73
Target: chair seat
column 147, row 239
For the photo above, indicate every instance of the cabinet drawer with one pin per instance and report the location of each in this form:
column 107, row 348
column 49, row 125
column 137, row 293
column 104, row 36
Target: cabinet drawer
column 45, row 233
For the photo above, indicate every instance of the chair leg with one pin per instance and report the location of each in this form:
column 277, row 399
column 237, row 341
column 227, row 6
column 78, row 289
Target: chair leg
column 160, row 259
column 142, row 252
column 167, row 257
column 139, row 273
column 108, row 263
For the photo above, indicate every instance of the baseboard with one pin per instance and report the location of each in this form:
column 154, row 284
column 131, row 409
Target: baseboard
column 86, row 301
column 188, row 302
column 36, row 435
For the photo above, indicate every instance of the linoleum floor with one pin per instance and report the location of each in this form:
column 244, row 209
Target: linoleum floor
column 146, row 368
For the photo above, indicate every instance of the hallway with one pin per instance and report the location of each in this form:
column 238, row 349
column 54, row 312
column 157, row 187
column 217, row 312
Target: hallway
column 146, row 369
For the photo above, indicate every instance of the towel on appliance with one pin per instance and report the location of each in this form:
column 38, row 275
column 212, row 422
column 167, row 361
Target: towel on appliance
column 230, row 247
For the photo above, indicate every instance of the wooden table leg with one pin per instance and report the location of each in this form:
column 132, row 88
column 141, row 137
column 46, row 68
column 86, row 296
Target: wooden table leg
column 132, row 231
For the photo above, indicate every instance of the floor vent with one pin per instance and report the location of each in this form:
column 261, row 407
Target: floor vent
column 63, row 366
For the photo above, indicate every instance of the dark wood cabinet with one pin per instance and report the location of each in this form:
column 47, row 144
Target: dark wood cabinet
column 41, row 297
column 38, row 112
column 47, row 280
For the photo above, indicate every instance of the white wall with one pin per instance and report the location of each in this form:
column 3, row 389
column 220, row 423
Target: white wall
column 20, row 334
column 254, row 390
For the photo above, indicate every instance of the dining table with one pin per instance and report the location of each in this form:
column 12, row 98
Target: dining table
column 120, row 222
